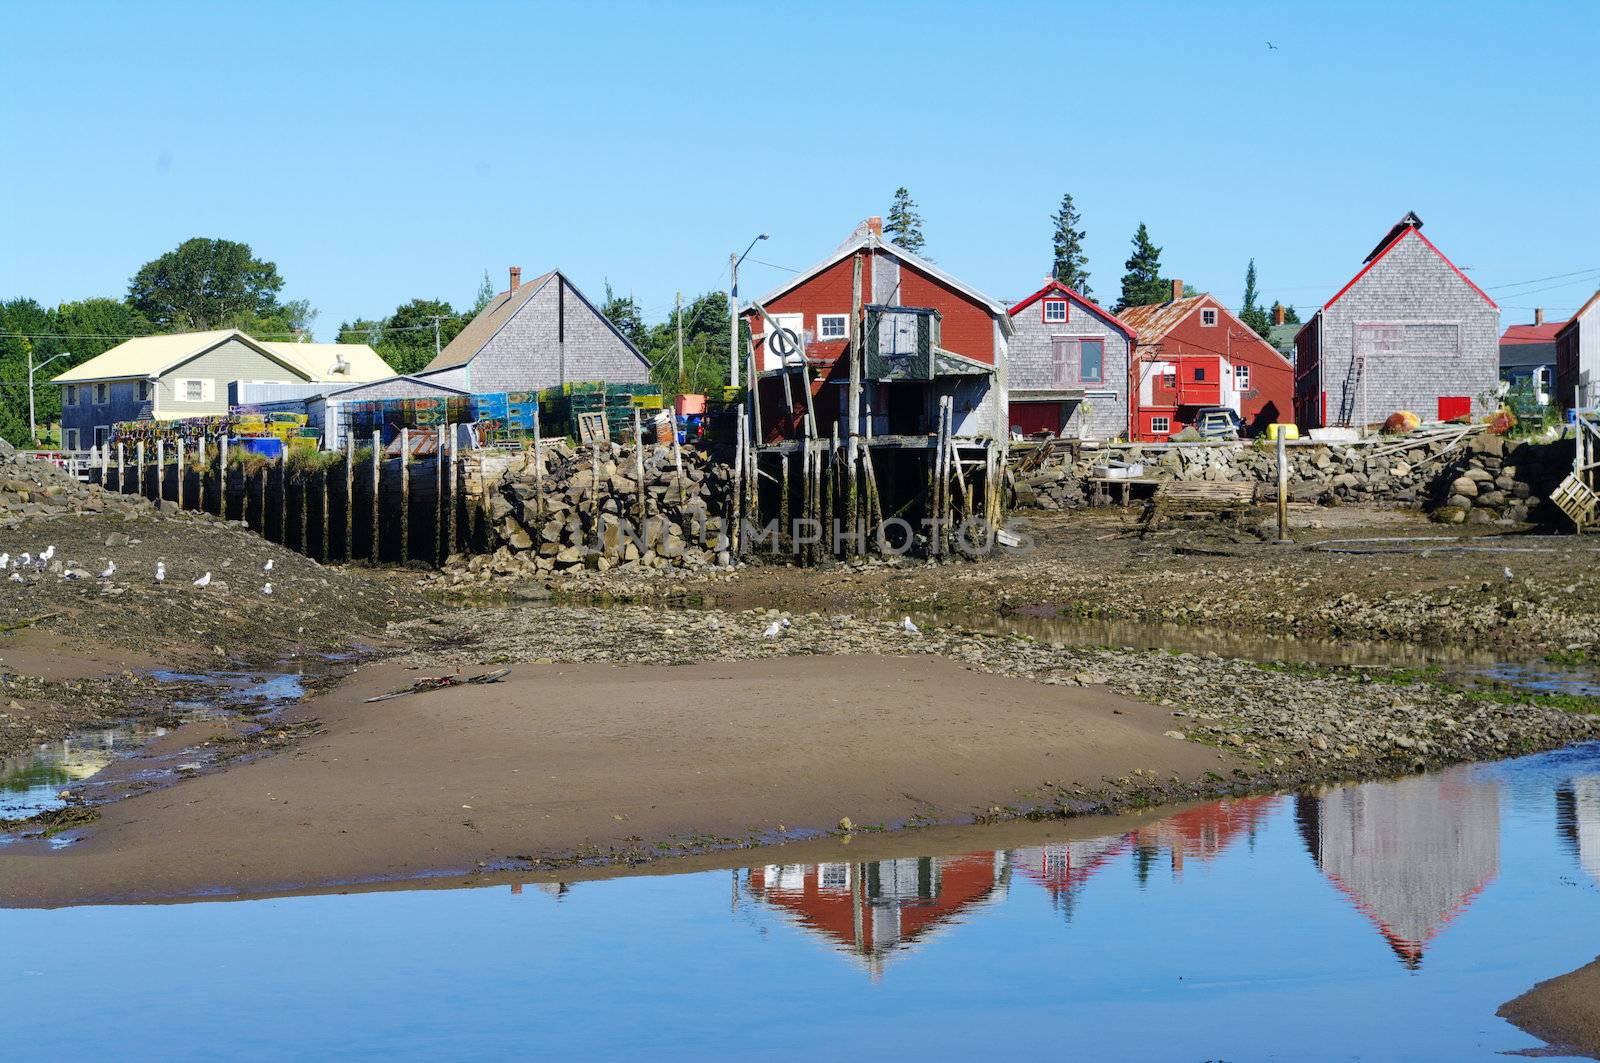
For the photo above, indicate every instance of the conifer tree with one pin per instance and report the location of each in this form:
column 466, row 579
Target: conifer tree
column 903, row 224
column 1142, row 284
column 1249, row 312
column 1070, row 267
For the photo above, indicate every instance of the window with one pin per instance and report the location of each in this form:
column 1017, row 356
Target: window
column 1241, row 377
column 72, row 395
column 1160, row 426
column 1055, row 311
column 70, row 438
column 1061, row 363
column 833, row 326
column 102, row 394
column 102, row 435
column 144, row 391
column 1208, row 317
column 1169, row 379
column 193, row 390
column 1091, row 360
column 1200, row 372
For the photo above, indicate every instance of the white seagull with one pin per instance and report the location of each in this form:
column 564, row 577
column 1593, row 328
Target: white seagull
column 203, row 581
column 16, row 577
column 49, row 552
column 1508, row 575
column 111, row 569
column 25, row 559
column 909, row 628
column 5, row 561
column 266, row 589
column 161, row 571
column 268, row 566
column 774, row 629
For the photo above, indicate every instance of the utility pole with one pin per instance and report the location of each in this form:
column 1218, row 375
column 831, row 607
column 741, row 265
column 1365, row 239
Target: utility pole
column 733, row 320
column 33, row 428
column 680, row 338
column 436, row 335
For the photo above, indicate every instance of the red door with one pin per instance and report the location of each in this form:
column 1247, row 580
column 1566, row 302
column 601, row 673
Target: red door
column 1453, row 406
column 1031, row 417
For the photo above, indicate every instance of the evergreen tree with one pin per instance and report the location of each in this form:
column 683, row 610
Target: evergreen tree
column 484, row 297
column 1289, row 315
column 1249, row 311
column 904, row 225
column 1142, row 284
column 624, row 313
column 1071, row 267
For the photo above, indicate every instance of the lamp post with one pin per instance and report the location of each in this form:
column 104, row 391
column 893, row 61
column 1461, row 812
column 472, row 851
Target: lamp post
column 733, row 311
column 33, row 429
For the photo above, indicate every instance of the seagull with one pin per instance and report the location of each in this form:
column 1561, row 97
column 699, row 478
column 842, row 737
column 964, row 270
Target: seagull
column 1271, row 47
column 774, row 629
column 16, row 577
column 267, row 589
column 1507, row 573
column 161, row 571
column 909, row 628
column 203, row 581
column 5, row 561
column 268, row 566
column 49, row 552
column 111, row 568
column 25, row 559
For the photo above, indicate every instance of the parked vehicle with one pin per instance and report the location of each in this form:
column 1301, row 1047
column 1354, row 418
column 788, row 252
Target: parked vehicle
column 1218, row 422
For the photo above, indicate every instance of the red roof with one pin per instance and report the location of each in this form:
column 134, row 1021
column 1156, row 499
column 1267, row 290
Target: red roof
column 1056, row 287
column 1545, row 333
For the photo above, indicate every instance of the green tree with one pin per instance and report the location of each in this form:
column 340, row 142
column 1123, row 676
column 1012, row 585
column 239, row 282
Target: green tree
column 705, row 347
column 1071, row 267
column 1142, row 284
column 405, row 338
column 624, row 313
column 484, row 297
column 904, row 224
column 25, row 328
column 1250, row 312
column 1290, row 317
column 205, row 284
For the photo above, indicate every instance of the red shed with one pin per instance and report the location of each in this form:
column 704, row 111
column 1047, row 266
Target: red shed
column 1192, row 353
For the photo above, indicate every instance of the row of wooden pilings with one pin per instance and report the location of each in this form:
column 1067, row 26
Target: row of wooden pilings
column 332, row 506
column 837, row 488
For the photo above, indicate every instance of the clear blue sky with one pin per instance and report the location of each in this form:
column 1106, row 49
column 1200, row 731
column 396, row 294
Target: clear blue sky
column 380, row 152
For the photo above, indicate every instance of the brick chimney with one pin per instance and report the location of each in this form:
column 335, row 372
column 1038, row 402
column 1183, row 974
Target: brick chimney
column 875, row 226
column 1177, row 290
column 1278, row 313
column 1538, row 315
column 516, row 277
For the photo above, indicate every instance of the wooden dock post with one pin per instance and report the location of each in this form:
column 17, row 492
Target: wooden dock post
column 677, row 462
column 377, row 487
column 180, row 472
column 122, row 486
column 161, row 470
column 736, row 498
column 440, row 547
column 138, row 468
column 538, row 464
column 405, row 495
column 452, row 543
column 261, row 501
column 222, row 481
column 322, row 539
column 349, row 496
column 1283, row 486
column 105, row 466
column 283, row 496
column 857, row 328
column 638, row 466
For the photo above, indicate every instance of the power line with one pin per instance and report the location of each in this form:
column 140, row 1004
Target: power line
column 1536, row 280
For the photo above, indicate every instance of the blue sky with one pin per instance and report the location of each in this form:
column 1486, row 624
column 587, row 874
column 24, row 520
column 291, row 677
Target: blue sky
column 380, row 152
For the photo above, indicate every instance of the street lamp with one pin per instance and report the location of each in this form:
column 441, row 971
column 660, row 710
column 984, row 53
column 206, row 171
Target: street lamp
column 33, row 429
column 733, row 311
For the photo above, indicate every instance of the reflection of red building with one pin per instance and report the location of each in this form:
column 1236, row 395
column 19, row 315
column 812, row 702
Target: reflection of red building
column 1410, row 854
column 1202, row 833
column 1063, row 867
column 872, row 910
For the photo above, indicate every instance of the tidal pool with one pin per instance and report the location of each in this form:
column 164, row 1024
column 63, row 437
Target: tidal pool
column 1380, row 921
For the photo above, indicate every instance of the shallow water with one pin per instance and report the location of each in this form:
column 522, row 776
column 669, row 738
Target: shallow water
column 1381, row 921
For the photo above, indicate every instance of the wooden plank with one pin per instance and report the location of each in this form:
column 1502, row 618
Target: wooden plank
column 405, row 495
column 374, row 554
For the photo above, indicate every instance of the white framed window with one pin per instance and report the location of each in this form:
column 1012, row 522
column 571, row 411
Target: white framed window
column 69, row 438
column 193, row 389
column 72, row 395
column 833, row 326
column 1208, row 317
column 102, row 394
column 144, row 391
column 1160, row 426
column 1241, row 377
column 1055, row 311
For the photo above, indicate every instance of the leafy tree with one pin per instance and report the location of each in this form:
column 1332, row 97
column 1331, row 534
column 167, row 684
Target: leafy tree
column 1071, row 267
column 904, row 225
column 705, row 347
column 1250, row 312
column 624, row 313
column 205, row 284
column 404, row 339
column 1142, row 284
column 25, row 328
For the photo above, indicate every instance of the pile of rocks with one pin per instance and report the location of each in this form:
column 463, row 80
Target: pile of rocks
column 30, row 490
column 1483, row 478
column 582, row 510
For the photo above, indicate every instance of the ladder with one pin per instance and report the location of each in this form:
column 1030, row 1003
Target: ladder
column 1578, row 496
column 1354, row 384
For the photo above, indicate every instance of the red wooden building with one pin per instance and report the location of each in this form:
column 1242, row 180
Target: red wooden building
column 1193, row 353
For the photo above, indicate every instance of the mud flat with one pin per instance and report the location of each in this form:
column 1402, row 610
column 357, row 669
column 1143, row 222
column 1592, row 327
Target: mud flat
column 1564, row 1011
column 608, row 762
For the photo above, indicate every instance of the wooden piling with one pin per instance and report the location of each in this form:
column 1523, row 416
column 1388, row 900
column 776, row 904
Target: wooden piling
column 857, row 328
column 451, row 540
column 373, row 555
column 405, row 495
column 538, row 464
column 736, row 497
column 283, row 496
column 122, row 487
column 180, row 472
column 138, row 468
column 638, row 467
column 105, row 466
column 439, row 545
column 677, row 463
column 222, row 482
column 161, row 470
column 783, row 499
column 349, row 495
column 305, row 510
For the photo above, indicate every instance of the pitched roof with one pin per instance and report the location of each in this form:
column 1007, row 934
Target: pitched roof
column 1154, row 321
column 501, row 309
column 317, row 361
column 1282, row 336
column 150, row 356
column 1055, row 286
column 391, row 378
column 864, row 237
column 1572, row 322
column 1395, row 238
column 1410, row 221
column 1545, row 333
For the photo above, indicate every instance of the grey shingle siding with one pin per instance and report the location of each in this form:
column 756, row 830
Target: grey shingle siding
column 1031, row 366
column 1413, row 287
column 526, row 354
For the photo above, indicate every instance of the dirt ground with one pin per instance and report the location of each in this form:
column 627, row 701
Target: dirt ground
column 1564, row 1011
column 607, row 762
column 1092, row 564
column 72, row 649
